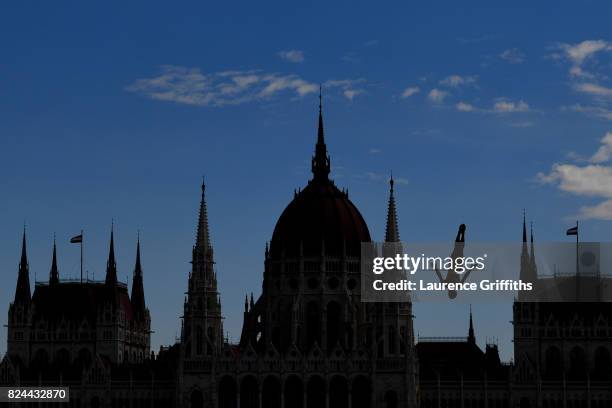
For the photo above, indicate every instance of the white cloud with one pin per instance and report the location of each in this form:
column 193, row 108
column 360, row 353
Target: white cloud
column 594, row 89
column 292, row 55
column 375, row 151
column 437, row 96
column 465, row 107
column 512, row 56
column 350, row 87
column 601, row 211
column 351, row 93
column 191, row 86
column 580, row 53
column 457, row 80
column 500, row 106
column 596, row 111
column 590, row 180
column 605, row 150
column 506, row 106
column 408, row 92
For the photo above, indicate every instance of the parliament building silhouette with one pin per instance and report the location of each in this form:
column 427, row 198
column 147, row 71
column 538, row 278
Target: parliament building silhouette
column 307, row 342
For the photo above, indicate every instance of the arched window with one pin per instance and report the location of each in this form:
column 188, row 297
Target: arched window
column 361, row 392
column 334, row 322
column 41, row 359
column 577, row 363
column 338, row 392
column 552, row 363
column 271, row 393
column 211, row 340
column 603, row 366
column 391, row 340
column 294, row 392
column 313, row 324
column 315, row 392
column 249, row 393
column 62, row 359
column 228, row 393
column 199, row 340
column 197, row 399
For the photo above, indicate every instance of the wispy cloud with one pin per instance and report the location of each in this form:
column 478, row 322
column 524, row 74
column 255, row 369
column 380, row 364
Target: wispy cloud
column 595, row 111
column 455, row 81
column 500, row 106
column 375, row 151
column 292, row 55
column 437, row 96
column 350, row 87
column 408, row 92
column 465, row 107
column 593, row 89
column 506, row 106
column 191, row 86
column 580, row 54
column 590, row 180
column 512, row 56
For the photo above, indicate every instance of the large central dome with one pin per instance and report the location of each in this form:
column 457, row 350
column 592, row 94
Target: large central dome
column 320, row 217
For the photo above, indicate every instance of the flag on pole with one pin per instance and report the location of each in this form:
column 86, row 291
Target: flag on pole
column 76, row 239
column 572, row 231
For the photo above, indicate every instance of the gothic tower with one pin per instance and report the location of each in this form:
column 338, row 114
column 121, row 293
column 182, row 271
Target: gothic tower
column 202, row 333
column 19, row 316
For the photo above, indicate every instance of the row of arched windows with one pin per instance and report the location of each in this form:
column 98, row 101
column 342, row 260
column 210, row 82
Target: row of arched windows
column 577, row 365
column 314, row 393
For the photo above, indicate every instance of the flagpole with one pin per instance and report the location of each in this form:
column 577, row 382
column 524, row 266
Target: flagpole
column 81, row 256
column 577, row 264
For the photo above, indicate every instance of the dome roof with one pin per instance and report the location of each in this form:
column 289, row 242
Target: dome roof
column 319, row 215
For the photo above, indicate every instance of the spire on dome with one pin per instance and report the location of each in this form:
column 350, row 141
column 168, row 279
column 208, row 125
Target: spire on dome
column 22, row 292
column 203, row 235
column 111, row 264
column 137, row 298
column 392, row 230
column 320, row 161
column 471, row 337
column 54, row 274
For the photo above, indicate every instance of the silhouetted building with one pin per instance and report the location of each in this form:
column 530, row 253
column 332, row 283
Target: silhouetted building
column 91, row 336
column 308, row 340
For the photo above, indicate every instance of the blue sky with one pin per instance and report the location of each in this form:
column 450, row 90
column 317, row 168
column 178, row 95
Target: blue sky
column 115, row 111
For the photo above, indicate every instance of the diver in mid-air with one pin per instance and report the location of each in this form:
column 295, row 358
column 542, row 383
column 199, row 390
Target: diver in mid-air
column 452, row 276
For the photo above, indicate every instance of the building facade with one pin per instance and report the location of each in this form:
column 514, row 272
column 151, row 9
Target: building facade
column 308, row 341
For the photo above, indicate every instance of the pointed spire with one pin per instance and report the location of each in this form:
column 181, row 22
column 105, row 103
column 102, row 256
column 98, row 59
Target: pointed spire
column 320, row 161
column 111, row 264
column 471, row 337
column 524, row 228
column 532, row 261
column 203, row 235
column 54, row 274
column 526, row 274
column 392, row 231
column 138, row 298
column 22, row 292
